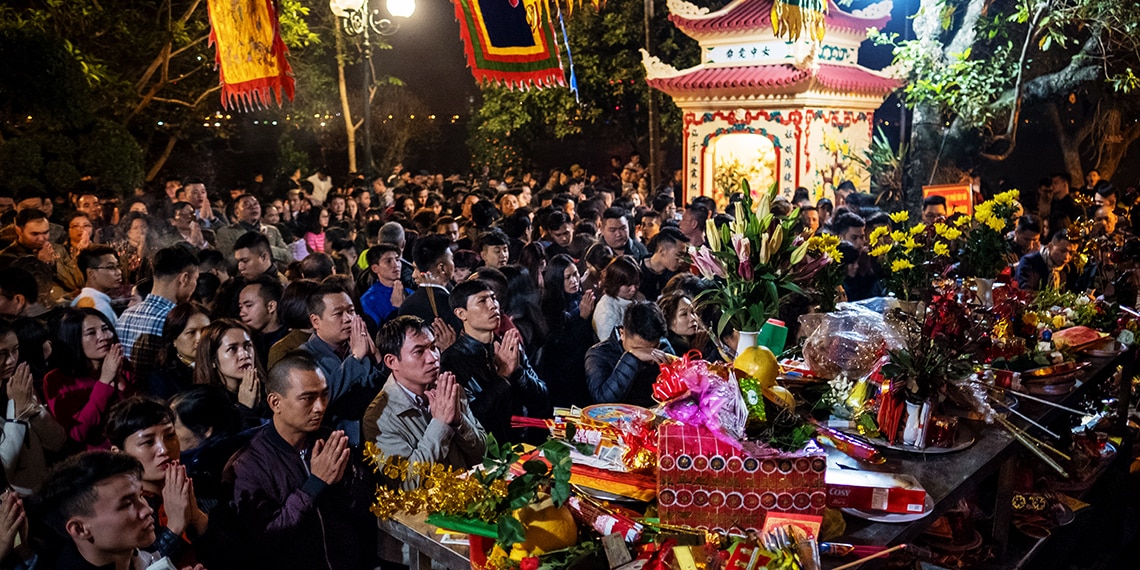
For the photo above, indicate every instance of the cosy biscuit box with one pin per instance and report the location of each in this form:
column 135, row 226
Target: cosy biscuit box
column 872, row 491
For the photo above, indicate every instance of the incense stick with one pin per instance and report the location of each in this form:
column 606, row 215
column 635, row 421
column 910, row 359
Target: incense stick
column 1022, row 438
column 1024, row 417
column 1035, row 399
column 871, row 557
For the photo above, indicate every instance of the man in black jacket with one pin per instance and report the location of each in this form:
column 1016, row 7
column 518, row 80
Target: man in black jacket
column 300, row 499
column 623, row 367
column 1049, row 269
column 615, row 233
column 499, row 380
column 433, row 258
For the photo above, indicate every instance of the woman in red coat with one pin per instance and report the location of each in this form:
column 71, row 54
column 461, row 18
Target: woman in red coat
column 90, row 376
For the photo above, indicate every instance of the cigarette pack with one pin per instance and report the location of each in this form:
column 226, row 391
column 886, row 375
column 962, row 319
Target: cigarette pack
column 872, row 491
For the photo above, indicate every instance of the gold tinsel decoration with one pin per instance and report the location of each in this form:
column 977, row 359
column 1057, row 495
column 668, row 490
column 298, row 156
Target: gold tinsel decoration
column 441, row 490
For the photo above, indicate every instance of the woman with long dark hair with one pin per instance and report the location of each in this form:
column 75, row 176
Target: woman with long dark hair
column 683, row 322
column 137, row 249
column 314, row 223
column 534, row 259
column 226, row 357
column 567, row 311
column 90, row 375
column 175, row 366
column 35, row 347
column 523, row 305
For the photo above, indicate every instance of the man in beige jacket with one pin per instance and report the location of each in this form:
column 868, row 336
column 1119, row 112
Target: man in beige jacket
column 421, row 414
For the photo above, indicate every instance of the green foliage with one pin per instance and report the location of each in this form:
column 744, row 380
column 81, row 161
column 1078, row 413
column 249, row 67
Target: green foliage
column 885, row 166
column 295, row 30
column 1026, row 38
column 523, row 489
column 110, row 155
column 964, row 87
column 40, row 78
column 55, row 160
column 291, row 158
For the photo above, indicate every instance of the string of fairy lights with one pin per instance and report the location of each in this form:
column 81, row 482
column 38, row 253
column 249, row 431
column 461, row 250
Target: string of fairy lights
column 220, row 119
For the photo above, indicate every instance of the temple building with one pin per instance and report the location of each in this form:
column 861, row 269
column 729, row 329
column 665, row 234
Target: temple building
column 771, row 110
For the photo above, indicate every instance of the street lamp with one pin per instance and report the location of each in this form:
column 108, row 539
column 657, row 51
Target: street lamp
column 357, row 19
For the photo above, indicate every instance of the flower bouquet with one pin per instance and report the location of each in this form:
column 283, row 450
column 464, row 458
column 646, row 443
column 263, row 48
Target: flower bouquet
column 830, row 277
column 932, row 365
column 985, row 253
column 914, row 256
column 756, row 261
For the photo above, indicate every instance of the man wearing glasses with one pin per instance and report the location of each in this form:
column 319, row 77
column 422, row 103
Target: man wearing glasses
column 100, row 265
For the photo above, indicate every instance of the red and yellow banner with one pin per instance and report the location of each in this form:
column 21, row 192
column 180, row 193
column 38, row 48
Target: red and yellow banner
column 251, row 54
column 509, row 42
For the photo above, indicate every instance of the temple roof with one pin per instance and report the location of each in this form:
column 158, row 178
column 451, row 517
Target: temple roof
column 750, row 15
column 783, row 78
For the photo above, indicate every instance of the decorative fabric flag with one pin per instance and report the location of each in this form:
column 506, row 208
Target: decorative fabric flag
column 509, row 43
column 251, row 54
column 793, row 17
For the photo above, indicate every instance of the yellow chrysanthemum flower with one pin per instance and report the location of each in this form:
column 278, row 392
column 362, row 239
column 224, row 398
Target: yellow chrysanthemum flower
column 897, row 236
column 940, row 228
column 878, row 234
column 900, row 216
column 910, row 244
column 881, row 250
column 961, row 221
column 996, row 224
column 952, row 234
column 941, row 248
column 984, row 212
column 901, row 264
column 917, row 229
column 1007, row 198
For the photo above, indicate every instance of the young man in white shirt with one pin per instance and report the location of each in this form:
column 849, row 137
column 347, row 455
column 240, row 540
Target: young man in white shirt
column 100, row 266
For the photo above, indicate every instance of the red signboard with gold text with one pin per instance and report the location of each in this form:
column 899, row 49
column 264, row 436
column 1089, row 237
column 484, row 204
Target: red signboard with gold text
column 958, row 197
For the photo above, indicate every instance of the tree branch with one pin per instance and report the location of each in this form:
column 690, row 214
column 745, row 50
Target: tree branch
column 1081, row 68
column 164, row 55
column 179, row 51
column 173, row 102
column 162, row 158
column 206, row 93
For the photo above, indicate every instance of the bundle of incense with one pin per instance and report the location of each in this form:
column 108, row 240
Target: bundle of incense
column 1026, row 418
column 606, row 440
column 1034, row 398
column 868, row 558
column 1032, row 444
column 839, row 549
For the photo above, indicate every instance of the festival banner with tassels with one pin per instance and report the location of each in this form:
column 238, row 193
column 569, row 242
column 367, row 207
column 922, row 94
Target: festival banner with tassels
column 251, row 54
column 510, row 43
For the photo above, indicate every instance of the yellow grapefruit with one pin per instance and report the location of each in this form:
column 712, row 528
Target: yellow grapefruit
column 759, row 363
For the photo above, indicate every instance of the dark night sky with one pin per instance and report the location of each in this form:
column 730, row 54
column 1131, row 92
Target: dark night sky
column 427, row 54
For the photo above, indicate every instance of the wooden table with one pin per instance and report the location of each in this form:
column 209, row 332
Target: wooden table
column 424, row 544
column 946, row 478
column 950, row 477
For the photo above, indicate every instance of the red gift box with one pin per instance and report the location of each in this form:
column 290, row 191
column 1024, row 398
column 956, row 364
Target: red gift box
column 709, row 484
column 869, row 490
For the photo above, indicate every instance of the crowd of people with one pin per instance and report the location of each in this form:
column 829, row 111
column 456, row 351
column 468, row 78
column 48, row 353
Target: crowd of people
column 192, row 375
